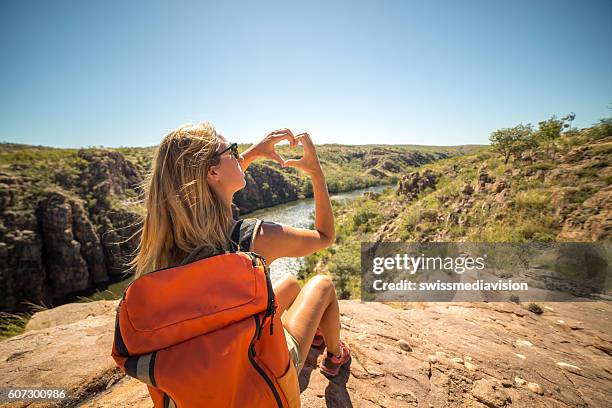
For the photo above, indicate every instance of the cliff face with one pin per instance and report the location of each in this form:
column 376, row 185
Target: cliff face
column 403, row 355
column 69, row 242
column 56, row 239
column 266, row 185
column 20, row 247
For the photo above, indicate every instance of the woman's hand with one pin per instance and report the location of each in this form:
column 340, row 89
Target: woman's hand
column 266, row 147
column 309, row 163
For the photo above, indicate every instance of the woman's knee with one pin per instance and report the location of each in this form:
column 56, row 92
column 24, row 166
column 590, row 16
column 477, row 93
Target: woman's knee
column 323, row 283
column 287, row 282
column 287, row 287
column 292, row 279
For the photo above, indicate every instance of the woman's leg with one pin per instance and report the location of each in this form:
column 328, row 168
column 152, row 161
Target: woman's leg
column 315, row 306
column 286, row 289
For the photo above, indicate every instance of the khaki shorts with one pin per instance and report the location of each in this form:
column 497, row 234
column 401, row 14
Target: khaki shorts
column 294, row 350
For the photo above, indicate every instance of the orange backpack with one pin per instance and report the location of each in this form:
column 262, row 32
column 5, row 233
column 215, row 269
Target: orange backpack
column 206, row 334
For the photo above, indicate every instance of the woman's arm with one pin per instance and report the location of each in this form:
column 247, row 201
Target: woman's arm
column 248, row 157
column 275, row 241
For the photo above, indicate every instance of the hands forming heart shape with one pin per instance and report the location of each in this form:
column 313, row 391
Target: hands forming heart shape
column 309, row 162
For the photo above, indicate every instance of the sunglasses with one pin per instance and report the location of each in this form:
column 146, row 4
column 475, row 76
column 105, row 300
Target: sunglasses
column 233, row 147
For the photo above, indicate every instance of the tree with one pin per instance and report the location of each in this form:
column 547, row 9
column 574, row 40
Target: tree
column 513, row 141
column 501, row 140
column 603, row 128
column 550, row 130
column 522, row 140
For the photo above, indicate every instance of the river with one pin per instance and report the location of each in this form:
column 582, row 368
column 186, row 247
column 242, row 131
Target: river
column 296, row 213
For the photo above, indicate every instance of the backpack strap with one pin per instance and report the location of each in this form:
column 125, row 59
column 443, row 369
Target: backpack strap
column 142, row 367
column 244, row 233
column 235, row 236
column 169, row 402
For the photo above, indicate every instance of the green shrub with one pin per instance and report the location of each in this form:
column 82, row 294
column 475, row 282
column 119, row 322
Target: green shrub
column 12, row 324
column 602, row 130
column 367, row 217
column 344, row 267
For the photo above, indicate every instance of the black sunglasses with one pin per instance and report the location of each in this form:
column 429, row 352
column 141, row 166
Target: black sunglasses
column 233, row 147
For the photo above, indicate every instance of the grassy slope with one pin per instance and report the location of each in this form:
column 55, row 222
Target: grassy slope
column 529, row 211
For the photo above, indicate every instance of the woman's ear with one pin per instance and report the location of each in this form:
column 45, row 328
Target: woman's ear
column 213, row 173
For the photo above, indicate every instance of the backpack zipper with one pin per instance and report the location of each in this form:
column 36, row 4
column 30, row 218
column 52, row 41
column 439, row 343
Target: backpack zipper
column 260, row 370
column 271, row 307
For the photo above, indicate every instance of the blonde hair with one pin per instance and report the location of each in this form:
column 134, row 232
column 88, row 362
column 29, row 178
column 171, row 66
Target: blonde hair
column 182, row 211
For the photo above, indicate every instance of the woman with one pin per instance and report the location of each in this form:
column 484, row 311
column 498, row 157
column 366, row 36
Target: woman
column 189, row 205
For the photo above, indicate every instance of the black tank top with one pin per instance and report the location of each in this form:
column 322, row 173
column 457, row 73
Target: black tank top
column 243, row 234
column 242, row 238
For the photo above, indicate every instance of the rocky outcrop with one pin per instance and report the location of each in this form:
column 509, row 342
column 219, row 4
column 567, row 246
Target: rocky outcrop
column 483, row 179
column 592, row 220
column 56, row 249
column 100, row 174
column 91, row 248
column 413, row 184
column 390, row 159
column 118, row 235
column 73, row 355
column 403, row 354
column 20, row 245
column 59, row 239
column 69, row 313
column 65, row 265
column 582, row 198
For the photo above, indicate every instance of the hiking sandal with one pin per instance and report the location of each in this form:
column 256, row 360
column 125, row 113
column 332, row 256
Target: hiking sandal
column 330, row 366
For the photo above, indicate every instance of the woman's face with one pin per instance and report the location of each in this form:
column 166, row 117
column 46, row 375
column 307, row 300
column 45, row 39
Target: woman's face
column 227, row 176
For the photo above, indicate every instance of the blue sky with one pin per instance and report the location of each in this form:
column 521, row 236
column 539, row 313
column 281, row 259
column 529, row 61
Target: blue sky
column 88, row 73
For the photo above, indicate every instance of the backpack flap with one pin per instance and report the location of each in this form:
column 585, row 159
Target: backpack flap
column 172, row 305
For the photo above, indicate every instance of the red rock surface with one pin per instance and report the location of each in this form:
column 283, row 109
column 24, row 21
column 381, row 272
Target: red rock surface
column 463, row 354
